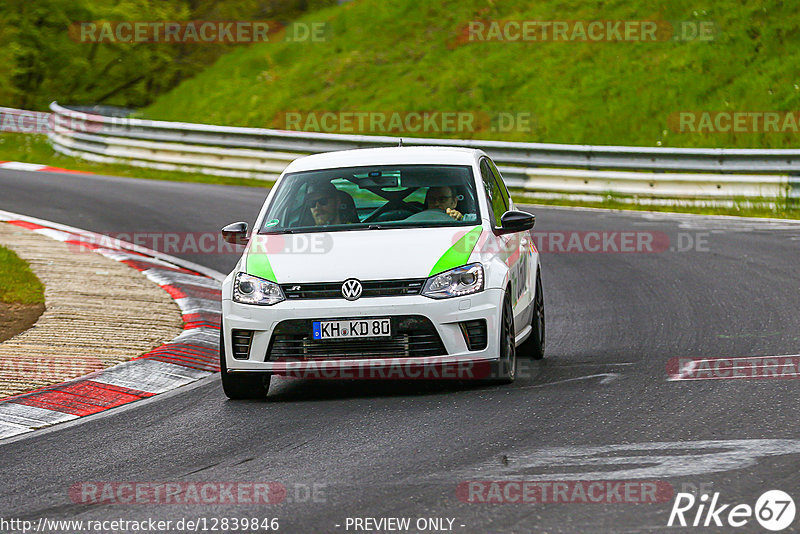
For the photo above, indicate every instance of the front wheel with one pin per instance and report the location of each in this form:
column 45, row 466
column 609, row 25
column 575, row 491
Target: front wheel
column 241, row 386
column 506, row 371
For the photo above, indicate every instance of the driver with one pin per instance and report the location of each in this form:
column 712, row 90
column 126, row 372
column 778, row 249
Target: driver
column 323, row 200
column 445, row 199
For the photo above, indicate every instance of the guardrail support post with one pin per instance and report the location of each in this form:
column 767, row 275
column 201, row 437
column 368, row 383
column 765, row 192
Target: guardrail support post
column 793, row 191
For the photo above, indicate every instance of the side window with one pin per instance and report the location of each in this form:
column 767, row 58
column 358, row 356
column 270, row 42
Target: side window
column 488, row 189
column 500, row 184
column 493, row 193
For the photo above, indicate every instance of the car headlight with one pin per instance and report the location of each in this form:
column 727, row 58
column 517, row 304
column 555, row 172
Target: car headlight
column 456, row 282
column 248, row 289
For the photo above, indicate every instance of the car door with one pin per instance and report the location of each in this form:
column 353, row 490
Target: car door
column 514, row 247
column 521, row 262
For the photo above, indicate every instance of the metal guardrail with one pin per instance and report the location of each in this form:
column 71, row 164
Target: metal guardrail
column 570, row 169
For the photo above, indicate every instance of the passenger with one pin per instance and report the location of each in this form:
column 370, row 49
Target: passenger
column 445, row 199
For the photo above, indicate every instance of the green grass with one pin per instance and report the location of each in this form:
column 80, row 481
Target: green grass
column 404, row 56
column 35, row 149
column 18, row 284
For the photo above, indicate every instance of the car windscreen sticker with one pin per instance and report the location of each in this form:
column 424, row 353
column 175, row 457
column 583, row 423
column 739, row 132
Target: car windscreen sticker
column 273, row 222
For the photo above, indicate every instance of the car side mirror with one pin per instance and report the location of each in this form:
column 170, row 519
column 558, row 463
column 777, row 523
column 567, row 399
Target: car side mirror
column 236, row 233
column 516, row 221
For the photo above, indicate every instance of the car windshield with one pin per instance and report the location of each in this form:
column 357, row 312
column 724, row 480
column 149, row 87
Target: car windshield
column 374, row 197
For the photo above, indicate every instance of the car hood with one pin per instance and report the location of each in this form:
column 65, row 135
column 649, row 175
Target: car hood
column 363, row 254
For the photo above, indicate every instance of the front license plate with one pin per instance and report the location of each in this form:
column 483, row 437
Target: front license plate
column 352, row 329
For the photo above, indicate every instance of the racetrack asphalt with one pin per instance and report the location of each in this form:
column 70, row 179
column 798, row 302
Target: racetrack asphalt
column 387, row 449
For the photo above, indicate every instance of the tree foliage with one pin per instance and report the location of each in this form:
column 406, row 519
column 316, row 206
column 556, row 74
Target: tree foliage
column 40, row 61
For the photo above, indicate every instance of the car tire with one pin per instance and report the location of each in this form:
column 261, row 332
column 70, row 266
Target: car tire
column 241, row 386
column 506, row 371
column 533, row 347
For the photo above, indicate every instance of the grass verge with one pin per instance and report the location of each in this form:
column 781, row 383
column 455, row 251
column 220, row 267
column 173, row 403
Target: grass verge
column 18, row 284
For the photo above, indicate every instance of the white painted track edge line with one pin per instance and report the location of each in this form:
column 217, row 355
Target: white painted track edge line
column 111, row 412
column 187, row 380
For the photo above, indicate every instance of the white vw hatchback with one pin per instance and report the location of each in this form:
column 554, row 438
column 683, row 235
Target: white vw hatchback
column 393, row 263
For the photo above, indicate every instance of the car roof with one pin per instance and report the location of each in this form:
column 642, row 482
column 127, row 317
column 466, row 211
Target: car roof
column 405, row 155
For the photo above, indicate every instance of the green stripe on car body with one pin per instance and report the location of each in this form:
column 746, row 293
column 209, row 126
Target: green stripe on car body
column 258, row 265
column 459, row 253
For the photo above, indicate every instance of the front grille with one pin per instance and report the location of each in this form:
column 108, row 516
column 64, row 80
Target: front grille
column 475, row 334
column 370, row 288
column 241, row 340
column 412, row 336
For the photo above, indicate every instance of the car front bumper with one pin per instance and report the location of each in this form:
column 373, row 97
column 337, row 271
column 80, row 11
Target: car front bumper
column 445, row 315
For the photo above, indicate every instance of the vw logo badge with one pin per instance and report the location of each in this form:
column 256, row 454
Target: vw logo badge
column 351, row 289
